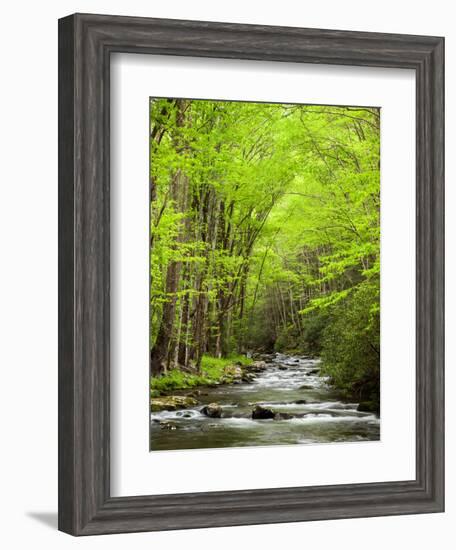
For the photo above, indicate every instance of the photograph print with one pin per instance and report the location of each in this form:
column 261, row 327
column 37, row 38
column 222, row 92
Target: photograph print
column 264, row 274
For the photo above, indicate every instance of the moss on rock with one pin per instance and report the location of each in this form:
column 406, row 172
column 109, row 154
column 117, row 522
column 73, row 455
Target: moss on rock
column 172, row 403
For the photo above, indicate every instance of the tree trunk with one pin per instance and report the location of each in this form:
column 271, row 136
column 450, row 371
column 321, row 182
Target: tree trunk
column 162, row 352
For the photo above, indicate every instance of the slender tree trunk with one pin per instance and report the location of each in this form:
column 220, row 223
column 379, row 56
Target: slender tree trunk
column 162, row 352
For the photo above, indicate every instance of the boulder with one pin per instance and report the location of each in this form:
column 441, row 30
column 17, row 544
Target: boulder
column 172, row 403
column 248, row 377
column 233, row 370
column 300, row 402
column 262, row 413
column 213, row 410
column 313, row 372
column 282, row 367
column 167, row 425
column 232, row 374
column 257, row 366
column 306, row 387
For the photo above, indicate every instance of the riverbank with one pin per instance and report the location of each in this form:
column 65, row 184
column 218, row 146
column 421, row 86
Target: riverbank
column 179, row 390
column 286, row 402
column 214, row 371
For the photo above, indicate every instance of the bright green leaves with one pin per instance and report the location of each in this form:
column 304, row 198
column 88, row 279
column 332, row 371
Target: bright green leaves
column 264, row 221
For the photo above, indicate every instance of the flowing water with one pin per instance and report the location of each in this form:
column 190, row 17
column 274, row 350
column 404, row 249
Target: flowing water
column 323, row 418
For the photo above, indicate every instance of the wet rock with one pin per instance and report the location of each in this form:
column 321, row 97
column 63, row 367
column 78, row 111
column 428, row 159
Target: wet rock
column 282, row 367
column 306, row 387
column 300, row 402
column 248, row 377
column 296, row 360
column 262, row 413
column 313, row 372
column 257, row 366
column 167, row 425
column 233, row 370
column 172, row 403
column 194, row 393
column 213, row 410
column 263, row 356
column 232, row 374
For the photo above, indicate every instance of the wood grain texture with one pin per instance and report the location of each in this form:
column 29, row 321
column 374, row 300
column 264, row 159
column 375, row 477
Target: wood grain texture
column 66, row 275
column 85, row 45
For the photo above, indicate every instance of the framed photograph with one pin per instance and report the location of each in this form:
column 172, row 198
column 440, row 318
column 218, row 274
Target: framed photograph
column 251, row 274
column 265, row 261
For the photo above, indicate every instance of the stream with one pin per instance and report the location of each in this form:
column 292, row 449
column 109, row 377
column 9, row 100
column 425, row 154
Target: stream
column 322, row 417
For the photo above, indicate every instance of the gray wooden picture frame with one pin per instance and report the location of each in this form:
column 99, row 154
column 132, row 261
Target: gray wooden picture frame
column 85, row 45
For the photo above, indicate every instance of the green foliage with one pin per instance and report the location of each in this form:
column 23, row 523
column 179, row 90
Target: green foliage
column 351, row 345
column 264, row 235
column 314, row 325
column 306, row 339
column 287, row 339
column 212, row 371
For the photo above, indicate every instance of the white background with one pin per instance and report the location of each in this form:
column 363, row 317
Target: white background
column 28, row 300
column 133, row 468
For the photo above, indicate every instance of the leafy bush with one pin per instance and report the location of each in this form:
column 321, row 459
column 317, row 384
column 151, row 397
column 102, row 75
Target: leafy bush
column 313, row 326
column 351, row 345
column 287, row 339
column 212, row 370
column 306, row 341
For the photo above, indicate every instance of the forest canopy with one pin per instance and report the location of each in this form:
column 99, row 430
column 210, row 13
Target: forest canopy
column 265, row 235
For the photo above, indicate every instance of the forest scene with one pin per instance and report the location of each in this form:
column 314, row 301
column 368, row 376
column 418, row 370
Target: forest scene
column 264, row 274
